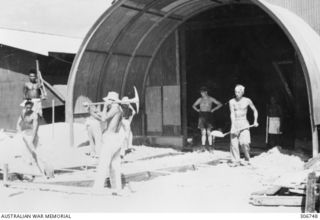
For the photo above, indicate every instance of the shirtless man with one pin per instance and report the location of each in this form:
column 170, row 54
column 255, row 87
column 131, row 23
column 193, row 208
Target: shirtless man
column 27, row 126
column 93, row 126
column 112, row 140
column 240, row 133
column 128, row 114
column 33, row 90
column 205, row 109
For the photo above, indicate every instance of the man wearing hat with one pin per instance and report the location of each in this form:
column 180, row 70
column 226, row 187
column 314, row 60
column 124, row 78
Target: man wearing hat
column 205, row 103
column 112, row 140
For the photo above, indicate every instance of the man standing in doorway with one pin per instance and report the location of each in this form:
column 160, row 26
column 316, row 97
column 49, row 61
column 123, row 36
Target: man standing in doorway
column 205, row 110
column 32, row 90
column 240, row 134
column 274, row 119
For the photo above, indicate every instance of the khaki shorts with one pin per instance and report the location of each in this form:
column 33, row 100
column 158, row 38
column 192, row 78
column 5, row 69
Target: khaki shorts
column 242, row 137
column 205, row 120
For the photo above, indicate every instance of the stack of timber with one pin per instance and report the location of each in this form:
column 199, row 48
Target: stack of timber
column 296, row 189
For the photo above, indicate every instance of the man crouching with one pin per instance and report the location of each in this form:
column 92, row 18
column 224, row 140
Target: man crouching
column 112, row 141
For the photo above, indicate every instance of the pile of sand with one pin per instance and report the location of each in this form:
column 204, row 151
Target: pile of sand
column 58, row 135
column 174, row 160
column 55, row 150
column 144, row 152
column 273, row 164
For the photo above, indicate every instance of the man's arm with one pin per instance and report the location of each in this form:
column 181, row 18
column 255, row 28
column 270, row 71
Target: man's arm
column 35, row 125
column 255, row 113
column 232, row 116
column 25, row 91
column 106, row 115
column 19, row 124
column 217, row 103
column 133, row 112
column 194, row 106
column 94, row 113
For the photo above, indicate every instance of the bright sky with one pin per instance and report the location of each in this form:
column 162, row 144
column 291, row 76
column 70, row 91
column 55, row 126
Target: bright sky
column 72, row 18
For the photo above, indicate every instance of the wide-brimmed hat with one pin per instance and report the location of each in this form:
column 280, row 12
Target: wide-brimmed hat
column 112, row 96
column 125, row 100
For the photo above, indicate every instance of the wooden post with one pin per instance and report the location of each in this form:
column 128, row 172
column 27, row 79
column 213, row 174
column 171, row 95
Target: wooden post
column 315, row 141
column 183, row 82
column 267, row 130
column 310, row 193
column 53, row 118
column 5, row 170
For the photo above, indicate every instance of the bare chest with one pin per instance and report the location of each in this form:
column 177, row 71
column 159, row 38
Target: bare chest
column 32, row 86
column 241, row 105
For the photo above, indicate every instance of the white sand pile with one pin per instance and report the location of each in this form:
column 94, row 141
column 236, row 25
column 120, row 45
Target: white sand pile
column 55, row 151
column 173, row 161
column 61, row 134
column 145, row 152
column 273, row 164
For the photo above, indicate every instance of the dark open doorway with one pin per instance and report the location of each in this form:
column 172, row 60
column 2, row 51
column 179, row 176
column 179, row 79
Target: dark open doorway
column 241, row 44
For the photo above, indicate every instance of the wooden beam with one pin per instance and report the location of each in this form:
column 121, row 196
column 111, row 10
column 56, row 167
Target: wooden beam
column 183, row 84
column 284, row 81
column 5, row 173
column 312, row 162
column 310, row 193
column 293, row 201
column 315, row 141
column 268, row 192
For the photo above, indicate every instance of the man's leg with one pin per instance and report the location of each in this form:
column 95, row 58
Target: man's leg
column 211, row 138
column 115, row 171
column 203, row 136
column 245, row 140
column 91, row 137
column 102, row 171
column 234, row 148
column 97, row 136
column 130, row 139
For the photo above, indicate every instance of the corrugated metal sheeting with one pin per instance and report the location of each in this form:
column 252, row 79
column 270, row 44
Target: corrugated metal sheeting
column 120, row 48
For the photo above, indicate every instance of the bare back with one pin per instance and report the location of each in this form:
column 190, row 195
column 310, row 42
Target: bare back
column 115, row 118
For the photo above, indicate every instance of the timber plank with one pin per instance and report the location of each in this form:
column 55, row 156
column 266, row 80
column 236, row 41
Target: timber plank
column 269, row 191
column 310, row 193
column 312, row 162
column 292, row 201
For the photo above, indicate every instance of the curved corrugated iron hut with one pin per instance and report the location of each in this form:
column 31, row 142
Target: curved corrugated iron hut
column 169, row 48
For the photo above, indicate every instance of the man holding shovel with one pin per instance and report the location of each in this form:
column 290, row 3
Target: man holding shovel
column 240, row 134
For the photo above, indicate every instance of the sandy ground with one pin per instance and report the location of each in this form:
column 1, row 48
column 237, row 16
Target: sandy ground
column 217, row 188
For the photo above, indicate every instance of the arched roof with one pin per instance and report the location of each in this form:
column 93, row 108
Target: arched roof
column 119, row 49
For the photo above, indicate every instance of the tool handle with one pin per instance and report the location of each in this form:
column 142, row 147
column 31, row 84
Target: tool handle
column 250, row 126
column 43, row 88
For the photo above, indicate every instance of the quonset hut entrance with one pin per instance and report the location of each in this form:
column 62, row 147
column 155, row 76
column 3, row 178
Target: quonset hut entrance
column 147, row 44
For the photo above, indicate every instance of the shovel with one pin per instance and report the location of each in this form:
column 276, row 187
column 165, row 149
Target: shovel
column 43, row 167
column 219, row 134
